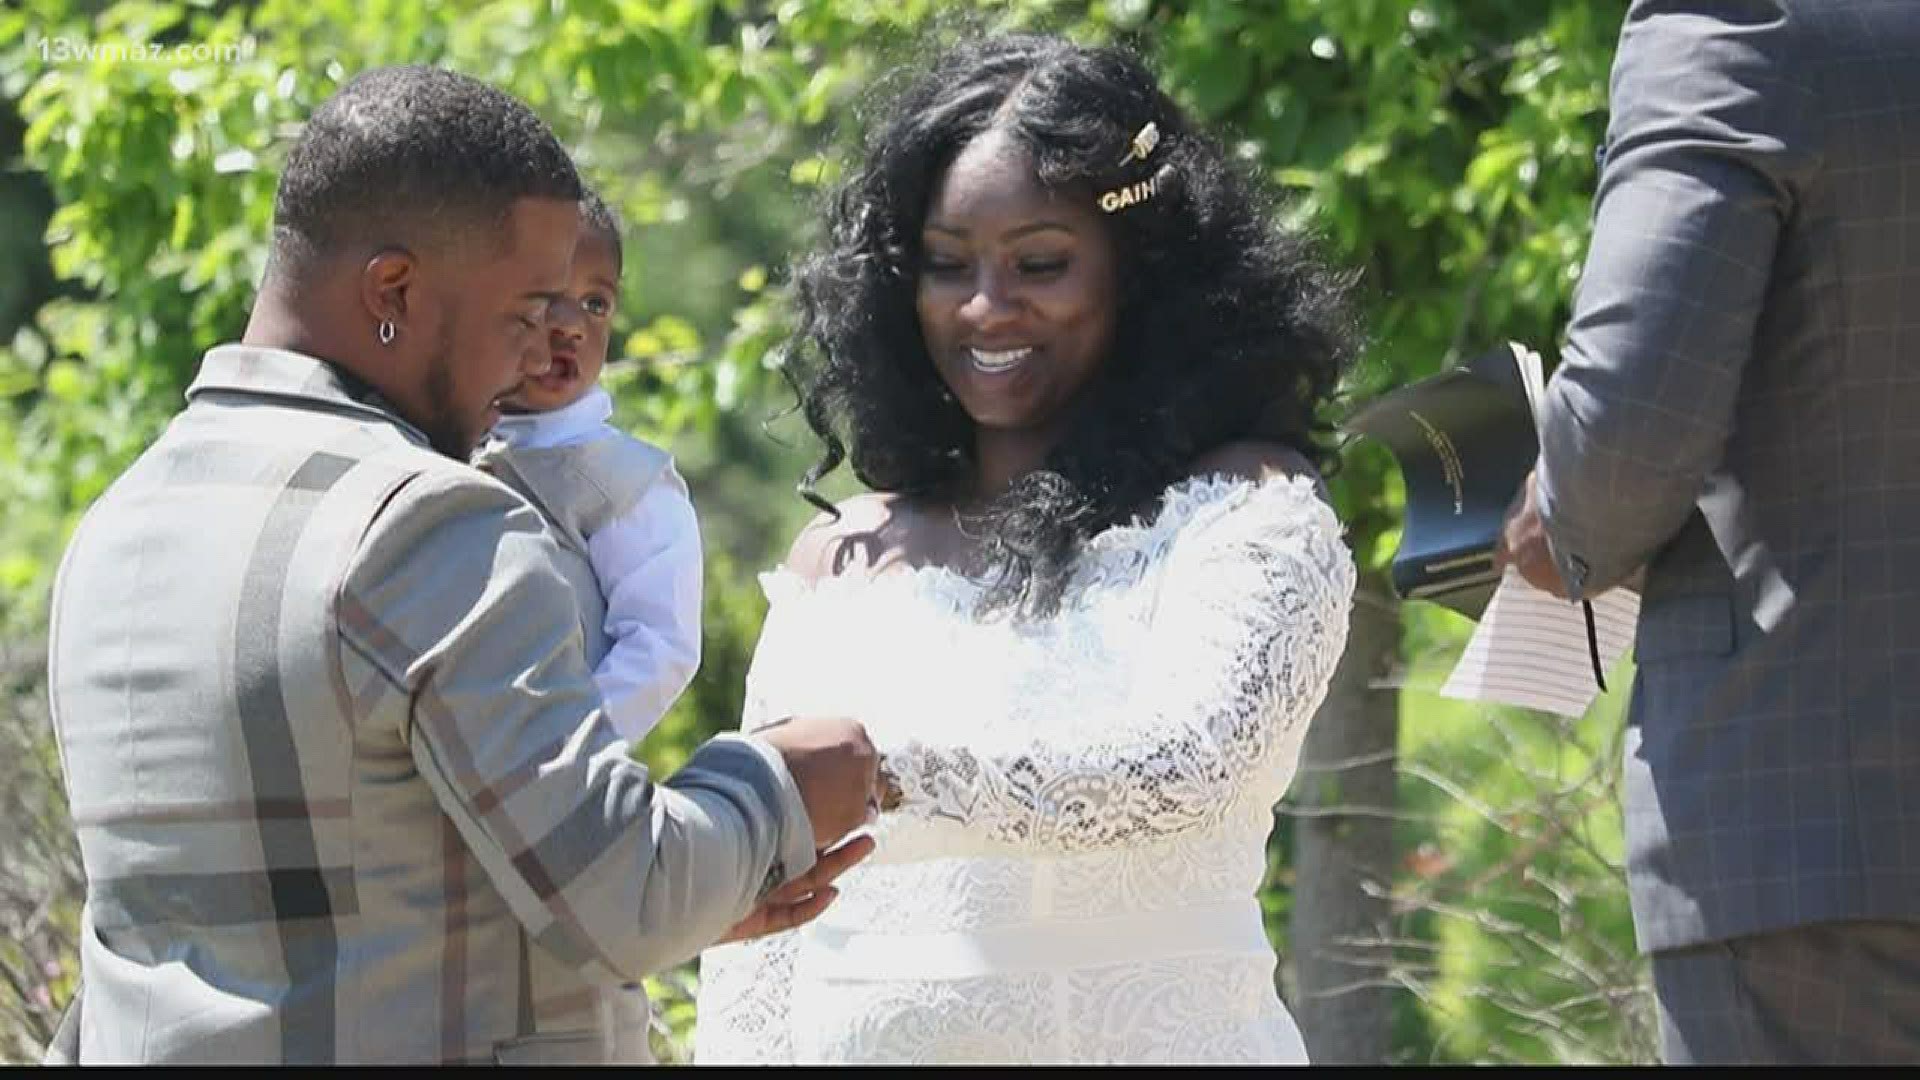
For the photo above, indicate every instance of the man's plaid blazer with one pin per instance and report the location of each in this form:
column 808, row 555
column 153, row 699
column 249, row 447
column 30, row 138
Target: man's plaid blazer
column 342, row 789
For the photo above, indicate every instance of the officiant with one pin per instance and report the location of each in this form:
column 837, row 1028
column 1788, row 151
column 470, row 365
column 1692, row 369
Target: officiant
column 1733, row 412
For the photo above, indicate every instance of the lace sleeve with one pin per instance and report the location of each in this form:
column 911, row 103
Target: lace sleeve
column 746, row 988
column 1249, row 621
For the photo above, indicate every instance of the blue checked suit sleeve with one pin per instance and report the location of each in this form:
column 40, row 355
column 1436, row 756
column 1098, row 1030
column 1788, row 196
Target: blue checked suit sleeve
column 1704, row 150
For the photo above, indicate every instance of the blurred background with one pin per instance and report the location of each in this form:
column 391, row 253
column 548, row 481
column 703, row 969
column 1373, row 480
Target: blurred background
column 1445, row 879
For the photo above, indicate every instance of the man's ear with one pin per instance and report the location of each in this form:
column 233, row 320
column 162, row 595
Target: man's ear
column 386, row 286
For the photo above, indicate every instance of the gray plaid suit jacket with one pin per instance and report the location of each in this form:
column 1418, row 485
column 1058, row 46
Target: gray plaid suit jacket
column 1738, row 410
column 333, row 752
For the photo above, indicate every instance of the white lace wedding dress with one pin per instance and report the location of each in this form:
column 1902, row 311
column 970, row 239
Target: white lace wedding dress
column 1072, row 877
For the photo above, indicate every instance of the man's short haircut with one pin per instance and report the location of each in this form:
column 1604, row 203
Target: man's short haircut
column 417, row 156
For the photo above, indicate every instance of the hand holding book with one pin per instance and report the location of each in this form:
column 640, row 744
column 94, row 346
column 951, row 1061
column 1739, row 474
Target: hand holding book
column 1473, row 541
column 1522, row 543
column 1465, row 440
column 1523, row 546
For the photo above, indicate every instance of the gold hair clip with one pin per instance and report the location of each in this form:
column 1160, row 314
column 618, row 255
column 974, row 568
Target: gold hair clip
column 1140, row 191
column 1130, row 194
column 1143, row 143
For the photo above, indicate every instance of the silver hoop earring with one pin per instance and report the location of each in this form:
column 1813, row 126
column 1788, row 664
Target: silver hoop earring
column 386, row 331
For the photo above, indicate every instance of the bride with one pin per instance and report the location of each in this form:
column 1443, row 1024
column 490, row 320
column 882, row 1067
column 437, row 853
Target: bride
column 1094, row 596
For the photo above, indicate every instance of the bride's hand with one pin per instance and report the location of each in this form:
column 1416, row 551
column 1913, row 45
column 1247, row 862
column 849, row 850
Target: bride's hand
column 801, row 900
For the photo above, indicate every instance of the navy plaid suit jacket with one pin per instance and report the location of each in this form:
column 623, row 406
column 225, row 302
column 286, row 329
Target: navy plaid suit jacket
column 1738, row 410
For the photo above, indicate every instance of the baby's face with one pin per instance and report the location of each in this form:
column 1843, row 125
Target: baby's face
column 577, row 327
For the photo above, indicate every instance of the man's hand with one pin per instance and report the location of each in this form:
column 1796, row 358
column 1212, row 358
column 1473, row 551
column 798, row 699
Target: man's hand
column 800, row 901
column 836, row 769
column 1523, row 543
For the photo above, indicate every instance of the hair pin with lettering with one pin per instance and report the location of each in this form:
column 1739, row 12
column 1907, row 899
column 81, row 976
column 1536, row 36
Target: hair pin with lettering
column 1143, row 143
column 1131, row 194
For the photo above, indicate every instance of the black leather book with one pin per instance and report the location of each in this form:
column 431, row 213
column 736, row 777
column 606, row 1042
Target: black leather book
column 1464, row 440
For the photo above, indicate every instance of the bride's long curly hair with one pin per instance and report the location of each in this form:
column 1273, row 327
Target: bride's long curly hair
column 1228, row 326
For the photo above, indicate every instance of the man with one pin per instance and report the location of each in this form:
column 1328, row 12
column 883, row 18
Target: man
column 1735, row 412
column 342, row 787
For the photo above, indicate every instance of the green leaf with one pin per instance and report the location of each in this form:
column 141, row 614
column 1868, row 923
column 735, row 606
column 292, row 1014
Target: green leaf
column 65, row 382
column 1219, row 85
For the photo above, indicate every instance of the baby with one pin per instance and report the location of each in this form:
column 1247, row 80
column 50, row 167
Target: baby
column 615, row 498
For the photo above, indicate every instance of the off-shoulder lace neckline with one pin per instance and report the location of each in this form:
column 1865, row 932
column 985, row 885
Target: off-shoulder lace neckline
column 1134, row 543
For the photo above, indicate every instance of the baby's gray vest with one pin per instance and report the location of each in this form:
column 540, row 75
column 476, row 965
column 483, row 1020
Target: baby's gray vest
column 579, row 489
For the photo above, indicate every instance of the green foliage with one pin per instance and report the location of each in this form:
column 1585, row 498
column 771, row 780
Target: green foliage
column 1442, row 148
column 1514, row 887
column 1445, row 149
column 39, row 921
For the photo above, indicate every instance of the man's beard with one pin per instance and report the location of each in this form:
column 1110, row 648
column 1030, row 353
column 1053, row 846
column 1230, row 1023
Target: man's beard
column 445, row 428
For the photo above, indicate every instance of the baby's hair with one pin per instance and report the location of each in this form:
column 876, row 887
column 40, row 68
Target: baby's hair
column 602, row 219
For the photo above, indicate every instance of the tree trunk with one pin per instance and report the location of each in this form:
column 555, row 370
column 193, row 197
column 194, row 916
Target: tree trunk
column 1343, row 837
